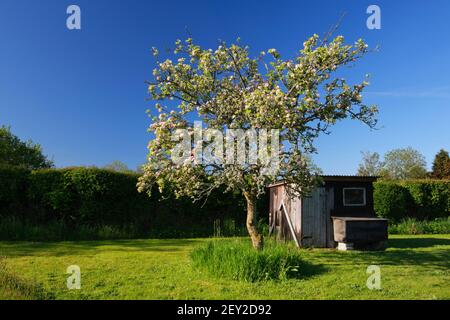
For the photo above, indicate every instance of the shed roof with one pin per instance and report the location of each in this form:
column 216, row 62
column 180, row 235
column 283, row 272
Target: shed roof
column 336, row 178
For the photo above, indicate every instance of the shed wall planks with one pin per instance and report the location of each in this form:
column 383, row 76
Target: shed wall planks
column 314, row 219
column 329, row 220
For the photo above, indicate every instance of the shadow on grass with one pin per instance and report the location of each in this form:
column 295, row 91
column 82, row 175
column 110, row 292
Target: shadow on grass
column 58, row 249
column 436, row 258
column 411, row 243
column 439, row 258
column 308, row 270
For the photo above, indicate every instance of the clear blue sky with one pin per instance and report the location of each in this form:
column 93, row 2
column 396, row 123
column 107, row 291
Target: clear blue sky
column 81, row 94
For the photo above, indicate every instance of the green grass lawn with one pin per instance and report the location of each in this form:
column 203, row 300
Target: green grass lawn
column 413, row 267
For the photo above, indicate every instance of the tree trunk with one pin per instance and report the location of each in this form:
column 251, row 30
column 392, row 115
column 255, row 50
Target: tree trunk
column 255, row 235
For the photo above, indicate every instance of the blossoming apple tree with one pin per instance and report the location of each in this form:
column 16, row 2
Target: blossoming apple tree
column 227, row 89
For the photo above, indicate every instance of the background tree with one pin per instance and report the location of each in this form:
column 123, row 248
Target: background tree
column 15, row 152
column 226, row 89
column 370, row 165
column 441, row 165
column 405, row 163
column 118, row 166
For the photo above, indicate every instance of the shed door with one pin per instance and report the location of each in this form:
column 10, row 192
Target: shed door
column 314, row 219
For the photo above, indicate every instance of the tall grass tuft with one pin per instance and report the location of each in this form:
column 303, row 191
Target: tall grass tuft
column 13, row 287
column 414, row 226
column 238, row 260
column 12, row 229
column 15, row 229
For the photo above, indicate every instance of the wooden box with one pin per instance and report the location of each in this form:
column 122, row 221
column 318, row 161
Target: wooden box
column 360, row 230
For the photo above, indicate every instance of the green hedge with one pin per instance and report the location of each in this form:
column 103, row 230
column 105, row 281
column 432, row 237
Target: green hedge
column 414, row 226
column 420, row 199
column 13, row 184
column 86, row 196
column 89, row 199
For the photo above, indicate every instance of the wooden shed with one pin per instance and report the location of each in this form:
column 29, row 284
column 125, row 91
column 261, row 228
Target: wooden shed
column 339, row 211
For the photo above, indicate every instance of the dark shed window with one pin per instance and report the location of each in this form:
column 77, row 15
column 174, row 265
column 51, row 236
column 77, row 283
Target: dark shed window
column 354, row 196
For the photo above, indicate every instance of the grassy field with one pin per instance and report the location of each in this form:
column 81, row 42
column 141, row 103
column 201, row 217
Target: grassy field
column 413, row 267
